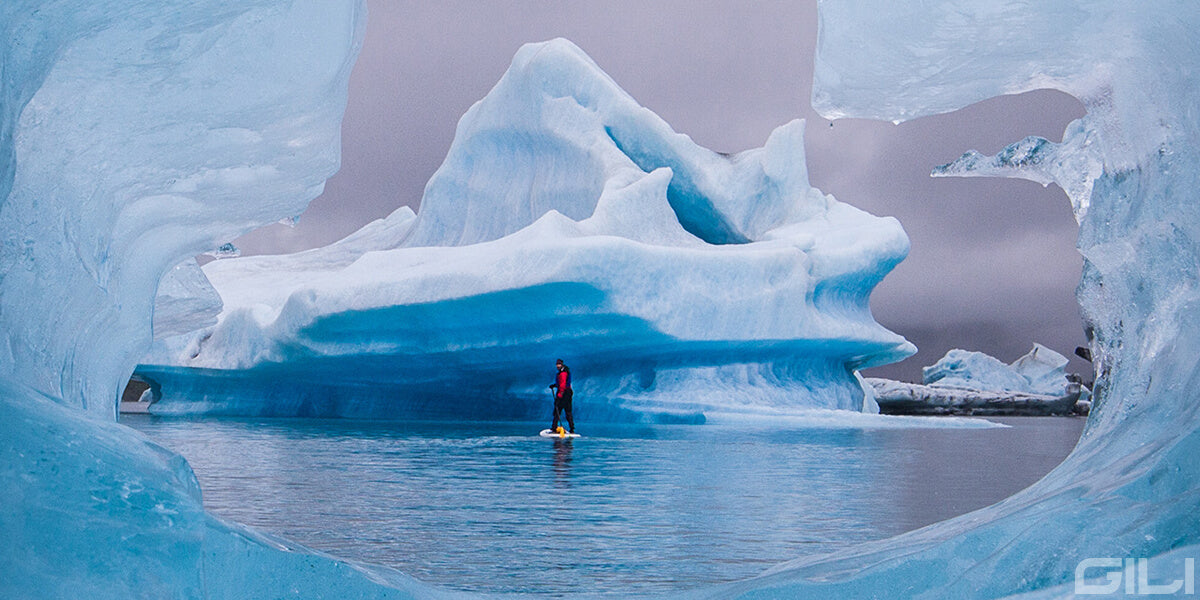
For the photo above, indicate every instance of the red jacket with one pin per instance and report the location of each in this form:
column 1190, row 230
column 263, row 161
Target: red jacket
column 563, row 382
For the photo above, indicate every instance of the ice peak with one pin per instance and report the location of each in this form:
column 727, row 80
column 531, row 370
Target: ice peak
column 555, row 111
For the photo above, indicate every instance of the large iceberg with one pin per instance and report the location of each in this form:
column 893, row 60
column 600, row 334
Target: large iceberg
column 566, row 220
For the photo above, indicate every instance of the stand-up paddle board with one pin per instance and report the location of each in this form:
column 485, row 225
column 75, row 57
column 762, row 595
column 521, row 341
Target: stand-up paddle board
column 549, row 433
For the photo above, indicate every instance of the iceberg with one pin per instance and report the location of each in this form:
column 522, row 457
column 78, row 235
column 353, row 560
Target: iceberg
column 1040, row 371
column 973, row 371
column 132, row 135
column 567, row 220
column 902, row 398
column 965, row 382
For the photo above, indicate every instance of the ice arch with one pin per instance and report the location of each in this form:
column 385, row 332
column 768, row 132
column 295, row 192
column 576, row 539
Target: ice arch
column 86, row 234
column 133, row 134
column 137, row 133
column 1130, row 168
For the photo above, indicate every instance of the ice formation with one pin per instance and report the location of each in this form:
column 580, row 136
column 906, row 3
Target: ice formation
column 135, row 134
column 185, row 301
column 1130, row 168
column 965, row 382
column 1041, row 371
column 902, row 398
column 566, row 220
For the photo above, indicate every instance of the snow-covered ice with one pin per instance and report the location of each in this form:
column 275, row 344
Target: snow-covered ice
column 568, row 221
column 966, row 382
column 1040, row 371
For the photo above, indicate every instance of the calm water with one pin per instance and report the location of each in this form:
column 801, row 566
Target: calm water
column 627, row 509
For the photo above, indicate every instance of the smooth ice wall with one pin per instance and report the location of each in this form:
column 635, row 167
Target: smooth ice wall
column 1130, row 168
column 135, row 134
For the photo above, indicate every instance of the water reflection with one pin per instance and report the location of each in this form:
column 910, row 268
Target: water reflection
column 957, row 471
column 562, row 463
column 630, row 510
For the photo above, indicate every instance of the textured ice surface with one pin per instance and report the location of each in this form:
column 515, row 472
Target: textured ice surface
column 1130, row 489
column 132, row 135
column 100, row 196
column 1041, row 371
column 898, row 397
column 965, row 382
column 566, row 221
column 1045, row 369
column 185, row 301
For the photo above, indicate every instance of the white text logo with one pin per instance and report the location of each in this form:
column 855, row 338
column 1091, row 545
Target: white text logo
column 1108, row 575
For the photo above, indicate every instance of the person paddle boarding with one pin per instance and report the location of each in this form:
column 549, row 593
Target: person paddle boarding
column 562, row 395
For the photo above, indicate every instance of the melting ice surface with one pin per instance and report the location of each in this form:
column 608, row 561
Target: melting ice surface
column 568, row 221
column 101, row 195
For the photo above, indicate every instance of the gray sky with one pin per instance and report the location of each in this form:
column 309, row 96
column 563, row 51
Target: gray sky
column 993, row 265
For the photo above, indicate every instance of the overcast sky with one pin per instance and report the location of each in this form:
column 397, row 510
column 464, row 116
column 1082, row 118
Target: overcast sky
column 993, row 265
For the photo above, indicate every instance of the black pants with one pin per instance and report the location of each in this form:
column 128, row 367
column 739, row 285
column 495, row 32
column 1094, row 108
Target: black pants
column 563, row 403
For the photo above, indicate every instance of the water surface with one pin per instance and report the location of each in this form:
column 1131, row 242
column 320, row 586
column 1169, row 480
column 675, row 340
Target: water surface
column 625, row 510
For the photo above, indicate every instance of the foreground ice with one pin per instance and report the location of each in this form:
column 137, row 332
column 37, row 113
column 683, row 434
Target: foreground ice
column 569, row 221
column 1131, row 488
column 135, row 134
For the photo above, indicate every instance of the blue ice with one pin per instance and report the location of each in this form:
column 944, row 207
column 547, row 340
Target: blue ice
column 136, row 134
column 567, row 220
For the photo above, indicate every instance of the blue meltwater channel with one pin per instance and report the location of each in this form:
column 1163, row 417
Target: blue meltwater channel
column 627, row 509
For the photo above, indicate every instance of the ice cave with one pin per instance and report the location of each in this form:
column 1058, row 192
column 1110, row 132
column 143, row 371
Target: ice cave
column 136, row 134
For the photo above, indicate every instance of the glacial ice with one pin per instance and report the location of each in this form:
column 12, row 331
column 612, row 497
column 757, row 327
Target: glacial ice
column 185, row 301
column 966, row 382
column 1040, row 371
column 99, row 198
column 973, row 370
column 1130, row 168
column 132, row 135
column 566, row 220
